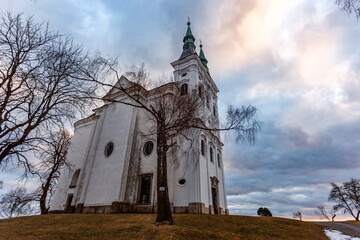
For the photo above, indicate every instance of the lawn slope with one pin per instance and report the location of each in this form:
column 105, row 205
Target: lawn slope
column 140, row 226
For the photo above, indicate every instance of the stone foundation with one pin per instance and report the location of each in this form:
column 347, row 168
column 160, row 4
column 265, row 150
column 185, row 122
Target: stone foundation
column 211, row 210
column 56, row 212
column 221, row 211
column 181, row 209
column 71, row 209
column 198, row 208
column 79, row 208
column 120, row 207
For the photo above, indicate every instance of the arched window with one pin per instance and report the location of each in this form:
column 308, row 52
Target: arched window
column 211, row 155
column 202, row 147
column 184, row 89
column 218, row 158
column 214, row 110
column 74, row 179
column 207, row 102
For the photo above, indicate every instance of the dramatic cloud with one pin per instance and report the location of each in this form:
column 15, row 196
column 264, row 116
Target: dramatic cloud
column 297, row 61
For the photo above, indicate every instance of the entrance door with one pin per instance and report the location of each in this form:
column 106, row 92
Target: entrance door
column 68, row 203
column 214, row 199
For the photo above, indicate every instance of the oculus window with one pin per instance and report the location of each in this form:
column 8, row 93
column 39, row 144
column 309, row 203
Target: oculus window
column 148, row 148
column 109, row 149
column 182, row 181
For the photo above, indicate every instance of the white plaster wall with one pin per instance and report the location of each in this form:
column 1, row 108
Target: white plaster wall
column 105, row 179
column 76, row 155
column 148, row 164
column 204, row 180
column 187, row 169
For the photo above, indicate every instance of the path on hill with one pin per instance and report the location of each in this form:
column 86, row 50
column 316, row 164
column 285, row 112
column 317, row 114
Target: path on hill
column 345, row 228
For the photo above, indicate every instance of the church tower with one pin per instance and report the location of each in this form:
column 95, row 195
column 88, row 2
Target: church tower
column 191, row 71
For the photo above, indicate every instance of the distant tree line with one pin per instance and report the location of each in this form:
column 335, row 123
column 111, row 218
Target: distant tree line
column 264, row 212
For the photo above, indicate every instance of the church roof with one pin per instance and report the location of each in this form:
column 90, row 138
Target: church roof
column 202, row 57
column 189, row 46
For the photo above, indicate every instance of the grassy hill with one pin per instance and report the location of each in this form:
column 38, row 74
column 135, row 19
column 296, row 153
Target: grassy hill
column 140, row 226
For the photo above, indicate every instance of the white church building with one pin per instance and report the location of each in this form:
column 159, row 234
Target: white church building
column 114, row 162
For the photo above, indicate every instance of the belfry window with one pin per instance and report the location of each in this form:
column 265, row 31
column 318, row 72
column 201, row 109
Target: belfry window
column 211, row 155
column 207, row 102
column 219, row 163
column 202, row 147
column 200, row 92
column 214, row 110
column 145, row 189
column 184, row 89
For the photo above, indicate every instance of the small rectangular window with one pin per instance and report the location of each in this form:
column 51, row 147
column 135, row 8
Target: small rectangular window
column 145, row 189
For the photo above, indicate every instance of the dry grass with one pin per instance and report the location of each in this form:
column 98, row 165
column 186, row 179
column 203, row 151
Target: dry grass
column 354, row 222
column 140, row 226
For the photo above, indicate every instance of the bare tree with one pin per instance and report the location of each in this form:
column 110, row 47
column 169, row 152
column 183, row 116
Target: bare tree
column 42, row 84
column 52, row 159
column 176, row 116
column 347, row 197
column 16, row 203
column 297, row 215
column 350, row 7
column 323, row 214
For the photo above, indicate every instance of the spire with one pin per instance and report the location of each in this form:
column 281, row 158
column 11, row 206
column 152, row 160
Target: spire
column 189, row 39
column 202, row 56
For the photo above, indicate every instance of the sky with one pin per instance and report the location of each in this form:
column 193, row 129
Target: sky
column 296, row 61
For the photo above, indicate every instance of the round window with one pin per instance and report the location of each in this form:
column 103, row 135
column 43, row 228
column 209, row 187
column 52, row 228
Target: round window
column 148, row 148
column 182, row 181
column 109, row 149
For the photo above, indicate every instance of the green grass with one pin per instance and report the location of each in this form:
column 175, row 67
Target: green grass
column 141, row 226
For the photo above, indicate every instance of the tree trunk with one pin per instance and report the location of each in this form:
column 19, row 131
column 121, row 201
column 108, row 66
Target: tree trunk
column 45, row 189
column 43, row 208
column 357, row 216
column 163, row 203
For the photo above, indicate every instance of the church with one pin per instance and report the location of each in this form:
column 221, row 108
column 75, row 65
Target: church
column 114, row 162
